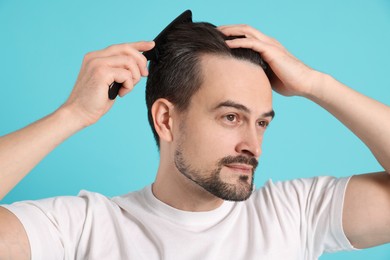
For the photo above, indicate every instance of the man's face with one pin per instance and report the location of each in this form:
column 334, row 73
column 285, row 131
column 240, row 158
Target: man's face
column 218, row 139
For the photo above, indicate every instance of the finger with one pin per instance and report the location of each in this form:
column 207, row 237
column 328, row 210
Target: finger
column 129, row 49
column 248, row 43
column 134, row 49
column 142, row 45
column 125, row 62
column 122, row 61
column 128, row 86
column 240, row 29
column 124, row 77
column 126, row 48
column 261, row 47
column 243, row 29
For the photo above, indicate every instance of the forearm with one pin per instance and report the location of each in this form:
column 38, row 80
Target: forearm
column 22, row 150
column 366, row 117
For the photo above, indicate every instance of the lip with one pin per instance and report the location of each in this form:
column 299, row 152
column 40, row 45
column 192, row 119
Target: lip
column 244, row 168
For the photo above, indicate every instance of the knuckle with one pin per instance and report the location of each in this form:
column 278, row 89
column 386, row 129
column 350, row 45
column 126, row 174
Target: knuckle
column 129, row 84
column 273, row 40
column 136, row 78
column 129, row 48
column 129, row 75
column 129, row 60
column 99, row 71
column 129, row 63
column 246, row 27
column 133, row 65
column 144, row 61
column 94, row 63
column 110, row 48
column 87, row 57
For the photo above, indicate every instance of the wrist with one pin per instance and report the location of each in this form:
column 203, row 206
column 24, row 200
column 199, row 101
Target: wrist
column 70, row 118
column 316, row 86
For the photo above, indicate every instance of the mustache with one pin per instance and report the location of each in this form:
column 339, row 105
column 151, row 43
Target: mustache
column 239, row 159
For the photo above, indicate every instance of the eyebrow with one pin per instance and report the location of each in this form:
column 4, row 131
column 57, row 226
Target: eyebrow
column 243, row 108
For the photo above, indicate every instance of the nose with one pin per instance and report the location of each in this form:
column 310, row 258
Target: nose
column 250, row 143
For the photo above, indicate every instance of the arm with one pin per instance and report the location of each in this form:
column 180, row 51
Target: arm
column 22, row 150
column 366, row 211
column 367, row 202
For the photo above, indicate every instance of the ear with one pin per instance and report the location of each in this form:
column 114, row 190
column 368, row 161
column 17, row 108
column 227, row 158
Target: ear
column 162, row 111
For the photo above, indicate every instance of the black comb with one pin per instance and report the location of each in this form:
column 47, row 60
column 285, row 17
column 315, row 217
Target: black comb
column 185, row 17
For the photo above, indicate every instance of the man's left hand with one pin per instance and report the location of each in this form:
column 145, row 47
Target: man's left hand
column 290, row 77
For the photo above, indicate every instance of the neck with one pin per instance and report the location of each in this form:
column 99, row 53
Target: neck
column 176, row 190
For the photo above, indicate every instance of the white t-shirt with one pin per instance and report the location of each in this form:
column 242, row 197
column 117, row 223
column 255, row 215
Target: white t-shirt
column 297, row 219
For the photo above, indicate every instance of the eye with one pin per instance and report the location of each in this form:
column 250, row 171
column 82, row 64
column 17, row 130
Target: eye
column 231, row 118
column 263, row 123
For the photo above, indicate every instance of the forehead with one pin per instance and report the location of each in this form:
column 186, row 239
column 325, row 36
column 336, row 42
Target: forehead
column 227, row 78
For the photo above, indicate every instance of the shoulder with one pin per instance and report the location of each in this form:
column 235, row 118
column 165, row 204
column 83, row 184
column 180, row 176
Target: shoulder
column 299, row 194
column 302, row 186
column 61, row 208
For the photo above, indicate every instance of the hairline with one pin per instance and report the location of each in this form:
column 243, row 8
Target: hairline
column 200, row 68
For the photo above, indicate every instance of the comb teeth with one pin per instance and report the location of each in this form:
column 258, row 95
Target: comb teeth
column 185, row 17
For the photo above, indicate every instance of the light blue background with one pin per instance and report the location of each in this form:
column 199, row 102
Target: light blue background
column 43, row 43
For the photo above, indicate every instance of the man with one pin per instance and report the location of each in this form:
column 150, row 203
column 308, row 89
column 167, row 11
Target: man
column 201, row 205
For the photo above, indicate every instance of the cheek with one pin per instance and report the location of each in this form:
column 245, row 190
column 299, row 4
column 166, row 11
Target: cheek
column 210, row 141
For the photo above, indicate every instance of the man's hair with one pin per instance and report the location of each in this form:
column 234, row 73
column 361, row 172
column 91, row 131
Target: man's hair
column 176, row 75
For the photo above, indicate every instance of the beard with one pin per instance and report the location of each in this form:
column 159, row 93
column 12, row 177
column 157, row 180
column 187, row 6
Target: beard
column 212, row 181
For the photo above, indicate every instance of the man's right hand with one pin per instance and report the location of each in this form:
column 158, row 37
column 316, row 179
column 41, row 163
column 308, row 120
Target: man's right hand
column 122, row 63
column 22, row 150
